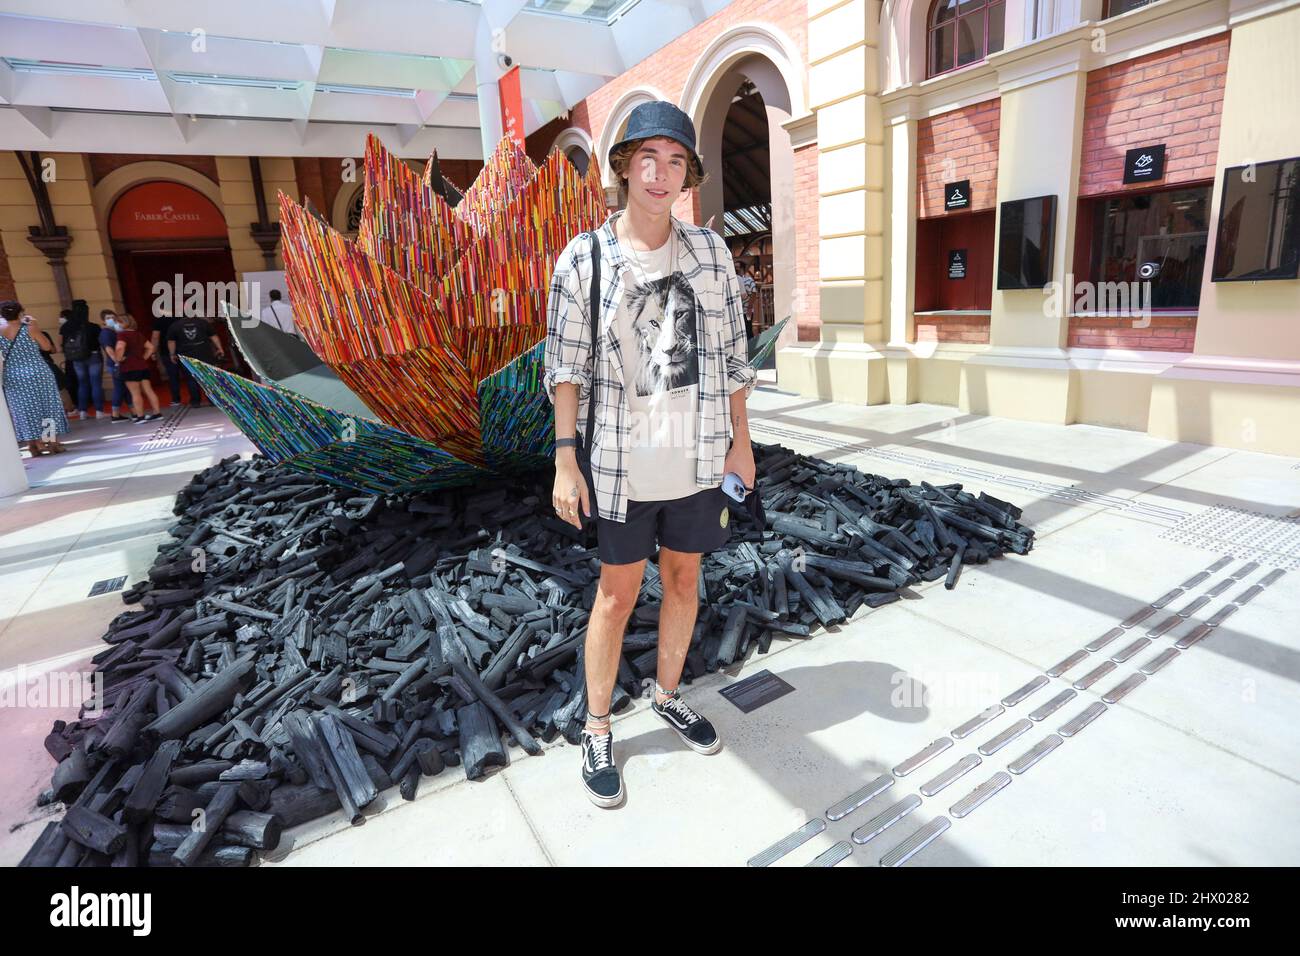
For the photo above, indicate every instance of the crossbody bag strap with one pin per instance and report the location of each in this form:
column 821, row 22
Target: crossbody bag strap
column 594, row 310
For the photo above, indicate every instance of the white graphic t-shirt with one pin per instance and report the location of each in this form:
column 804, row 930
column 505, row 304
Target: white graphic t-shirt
column 656, row 327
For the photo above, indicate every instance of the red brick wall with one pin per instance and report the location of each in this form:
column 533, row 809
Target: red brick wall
column 101, row 164
column 1164, row 334
column 952, row 328
column 1173, row 97
column 969, row 138
column 666, row 70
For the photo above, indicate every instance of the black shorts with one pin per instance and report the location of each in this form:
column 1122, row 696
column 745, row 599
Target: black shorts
column 137, row 376
column 695, row 524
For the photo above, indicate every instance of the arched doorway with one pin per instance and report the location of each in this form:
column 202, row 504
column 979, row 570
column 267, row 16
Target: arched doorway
column 168, row 232
column 740, row 92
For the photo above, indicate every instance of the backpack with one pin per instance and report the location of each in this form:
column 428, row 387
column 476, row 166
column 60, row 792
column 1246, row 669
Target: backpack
column 76, row 345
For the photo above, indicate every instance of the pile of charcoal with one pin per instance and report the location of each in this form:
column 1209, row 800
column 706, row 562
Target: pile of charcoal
column 298, row 648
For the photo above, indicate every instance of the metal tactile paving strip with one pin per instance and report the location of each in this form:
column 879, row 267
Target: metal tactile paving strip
column 1053, row 705
column 1122, row 689
column 1202, row 631
column 962, row 767
column 885, row 819
column 1168, row 596
column 832, row 855
column 1105, row 639
column 1194, row 580
column 1094, row 675
column 917, row 842
column 978, row 721
column 1220, row 587
column 1020, row 693
column 1082, row 719
column 783, row 846
column 1160, row 660
column 1056, row 670
column 1168, row 624
column 1123, row 654
column 854, row 800
column 1248, row 595
column 1138, row 616
column 992, row 785
column 1193, row 606
column 993, row 745
column 1035, row 753
column 921, row 756
column 1222, row 614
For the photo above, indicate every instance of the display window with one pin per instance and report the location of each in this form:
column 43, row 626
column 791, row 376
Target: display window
column 1157, row 237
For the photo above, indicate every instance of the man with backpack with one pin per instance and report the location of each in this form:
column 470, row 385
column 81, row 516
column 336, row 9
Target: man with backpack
column 193, row 337
column 81, row 347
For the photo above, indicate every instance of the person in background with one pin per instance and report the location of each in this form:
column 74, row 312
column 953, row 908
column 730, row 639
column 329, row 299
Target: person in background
column 67, row 375
column 162, row 321
column 107, row 345
column 132, row 354
column 30, row 388
column 749, row 296
column 81, row 348
column 193, row 337
column 278, row 314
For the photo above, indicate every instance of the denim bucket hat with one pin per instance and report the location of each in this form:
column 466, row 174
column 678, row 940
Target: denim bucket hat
column 661, row 118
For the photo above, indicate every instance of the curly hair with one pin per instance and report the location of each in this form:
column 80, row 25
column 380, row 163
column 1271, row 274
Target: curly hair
column 620, row 160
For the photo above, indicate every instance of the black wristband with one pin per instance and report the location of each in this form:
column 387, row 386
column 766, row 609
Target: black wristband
column 566, row 442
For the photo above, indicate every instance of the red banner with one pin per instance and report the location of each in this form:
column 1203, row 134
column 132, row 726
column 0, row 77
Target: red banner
column 512, row 106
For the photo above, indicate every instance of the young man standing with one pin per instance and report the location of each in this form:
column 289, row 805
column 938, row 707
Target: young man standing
column 669, row 377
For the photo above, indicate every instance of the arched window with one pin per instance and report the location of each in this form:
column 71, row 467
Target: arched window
column 963, row 31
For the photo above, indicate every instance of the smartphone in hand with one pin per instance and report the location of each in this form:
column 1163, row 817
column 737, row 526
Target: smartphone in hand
column 733, row 486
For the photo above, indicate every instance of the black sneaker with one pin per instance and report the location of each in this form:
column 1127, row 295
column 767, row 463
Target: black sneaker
column 138, row 419
column 690, row 726
column 152, row 418
column 599, row 772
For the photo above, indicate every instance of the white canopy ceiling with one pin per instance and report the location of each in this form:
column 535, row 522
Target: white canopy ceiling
column 306, row 77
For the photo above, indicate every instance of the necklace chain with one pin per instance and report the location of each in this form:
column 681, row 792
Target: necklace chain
column 636, row 259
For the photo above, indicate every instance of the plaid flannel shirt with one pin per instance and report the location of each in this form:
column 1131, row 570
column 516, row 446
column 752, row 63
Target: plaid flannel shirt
column 721, row 348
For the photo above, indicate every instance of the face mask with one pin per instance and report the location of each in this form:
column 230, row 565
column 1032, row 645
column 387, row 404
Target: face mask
column 62, row 319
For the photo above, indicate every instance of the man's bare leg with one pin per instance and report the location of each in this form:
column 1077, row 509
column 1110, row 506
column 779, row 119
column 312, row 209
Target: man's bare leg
column 679, row 574
column 615, row 600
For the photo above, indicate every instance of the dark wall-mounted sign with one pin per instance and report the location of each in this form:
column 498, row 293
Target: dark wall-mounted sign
column 1027, row 230
column 956, row 195
column 1146, row 164
column 956, row 263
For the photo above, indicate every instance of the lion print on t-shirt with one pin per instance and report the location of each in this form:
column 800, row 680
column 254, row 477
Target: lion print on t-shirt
column 663, row 315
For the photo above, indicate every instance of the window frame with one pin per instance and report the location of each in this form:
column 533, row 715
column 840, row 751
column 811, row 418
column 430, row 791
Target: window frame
column 931, row 28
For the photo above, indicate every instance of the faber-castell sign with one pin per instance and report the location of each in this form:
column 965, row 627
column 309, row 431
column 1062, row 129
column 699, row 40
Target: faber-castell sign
column 956, row 195
column 1146, row 164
